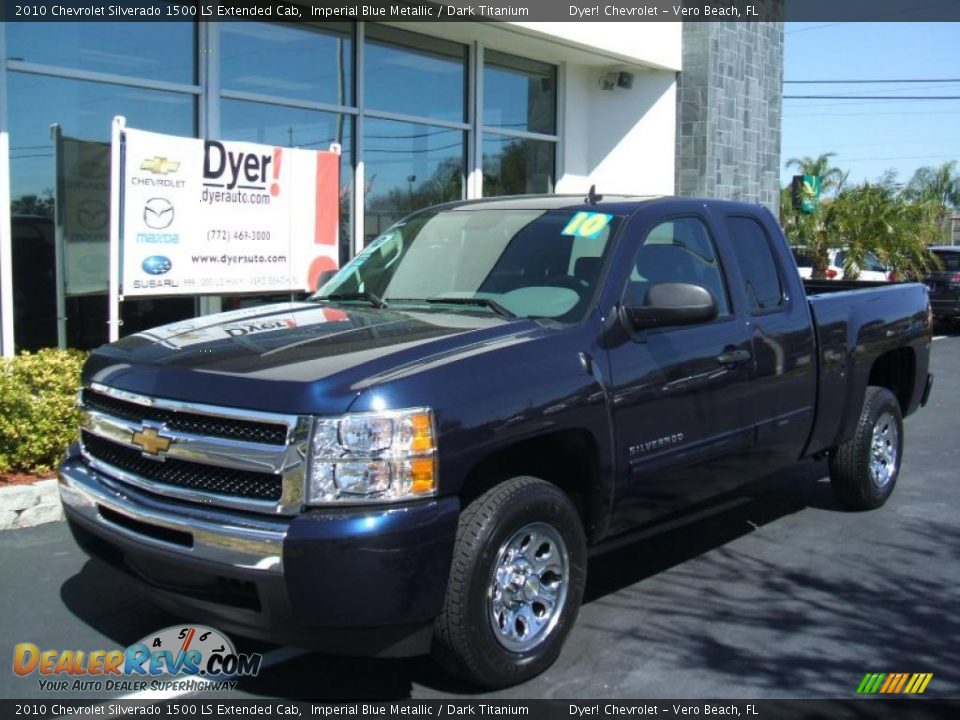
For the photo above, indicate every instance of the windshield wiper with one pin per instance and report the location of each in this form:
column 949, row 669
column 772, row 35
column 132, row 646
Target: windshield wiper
column 482, row 301
column 374, row 300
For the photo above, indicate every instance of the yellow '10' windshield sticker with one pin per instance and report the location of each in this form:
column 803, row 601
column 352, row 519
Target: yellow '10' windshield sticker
column 587, row 224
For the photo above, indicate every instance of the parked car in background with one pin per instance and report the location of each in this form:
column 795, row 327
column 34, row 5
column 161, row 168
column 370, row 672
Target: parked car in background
column 944, row 284
column 873, row 269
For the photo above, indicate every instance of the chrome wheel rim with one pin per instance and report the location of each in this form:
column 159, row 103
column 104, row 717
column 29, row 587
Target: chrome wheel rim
column 528, row 587
column 884, row 450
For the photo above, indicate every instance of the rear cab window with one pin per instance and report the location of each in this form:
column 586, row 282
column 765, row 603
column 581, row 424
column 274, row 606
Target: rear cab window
column 763, row 285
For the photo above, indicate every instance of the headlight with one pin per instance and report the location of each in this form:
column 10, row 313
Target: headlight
column 380, row 456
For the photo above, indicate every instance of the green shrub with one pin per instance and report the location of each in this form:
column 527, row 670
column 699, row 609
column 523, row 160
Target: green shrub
column 38, row 414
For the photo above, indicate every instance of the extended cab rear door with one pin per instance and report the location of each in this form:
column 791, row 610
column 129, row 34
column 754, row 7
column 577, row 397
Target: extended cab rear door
column 780, row 399
column 683, row 429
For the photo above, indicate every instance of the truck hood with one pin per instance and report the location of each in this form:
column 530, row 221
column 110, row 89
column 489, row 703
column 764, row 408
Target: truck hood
column 293, row 357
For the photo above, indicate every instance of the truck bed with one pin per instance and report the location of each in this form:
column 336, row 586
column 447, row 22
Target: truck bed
column 857, row 323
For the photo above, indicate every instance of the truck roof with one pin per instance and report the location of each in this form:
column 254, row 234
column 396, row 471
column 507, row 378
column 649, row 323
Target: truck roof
column 614, row 204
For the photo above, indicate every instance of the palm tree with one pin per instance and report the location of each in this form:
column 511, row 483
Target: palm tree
column 938, row 185
column 876, row 218
column 831, row 177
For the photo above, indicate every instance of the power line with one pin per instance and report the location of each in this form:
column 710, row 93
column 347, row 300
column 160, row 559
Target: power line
column 887, row 143
column 861, row 114
column 942, row 156
column 871, row 97
column 853, row 82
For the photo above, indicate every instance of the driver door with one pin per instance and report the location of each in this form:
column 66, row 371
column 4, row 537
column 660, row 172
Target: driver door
column 682, row 431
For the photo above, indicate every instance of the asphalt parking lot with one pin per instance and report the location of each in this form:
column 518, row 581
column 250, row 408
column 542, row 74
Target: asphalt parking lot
column 779, row 595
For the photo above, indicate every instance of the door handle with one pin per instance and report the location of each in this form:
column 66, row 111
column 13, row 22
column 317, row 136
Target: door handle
column 733, row 357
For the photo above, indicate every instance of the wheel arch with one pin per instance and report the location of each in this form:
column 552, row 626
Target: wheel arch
column 896, row 371
column 569, row 459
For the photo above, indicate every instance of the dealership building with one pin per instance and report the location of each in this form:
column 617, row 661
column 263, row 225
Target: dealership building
column 423, row 112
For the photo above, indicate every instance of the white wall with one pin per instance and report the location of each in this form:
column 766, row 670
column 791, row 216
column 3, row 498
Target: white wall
column 654, row 44
column 622, row 140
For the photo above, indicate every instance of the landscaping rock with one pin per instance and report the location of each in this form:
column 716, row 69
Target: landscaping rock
column 18, row 497
column 48, row 490
column 39, row 514
column 7, row 518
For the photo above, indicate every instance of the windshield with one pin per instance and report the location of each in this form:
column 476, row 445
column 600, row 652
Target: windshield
column 950, row 260
column 526, row 263
column 870, row 262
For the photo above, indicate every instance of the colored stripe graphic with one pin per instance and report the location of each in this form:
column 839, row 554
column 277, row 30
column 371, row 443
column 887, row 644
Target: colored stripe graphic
column 894, row 683
column 871, row 683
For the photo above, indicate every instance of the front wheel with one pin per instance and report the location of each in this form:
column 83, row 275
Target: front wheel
column 864, row 470
column 516, row 583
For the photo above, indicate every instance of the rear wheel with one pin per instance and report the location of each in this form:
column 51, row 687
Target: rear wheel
column 864, row 470
column 516, row 584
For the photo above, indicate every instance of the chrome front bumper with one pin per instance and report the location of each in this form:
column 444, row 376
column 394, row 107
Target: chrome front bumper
column 200, row 533
column 358, row 580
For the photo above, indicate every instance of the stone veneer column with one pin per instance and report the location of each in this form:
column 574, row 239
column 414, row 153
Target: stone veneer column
column 729, row 110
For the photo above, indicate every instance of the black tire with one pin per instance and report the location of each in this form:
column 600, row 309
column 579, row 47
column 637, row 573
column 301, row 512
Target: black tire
column 863, row 479
column 490, row 536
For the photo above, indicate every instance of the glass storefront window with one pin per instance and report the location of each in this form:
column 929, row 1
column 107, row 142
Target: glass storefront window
column 519, row 94
column 152, row 50
column 516, row 166
column 414, row 75
column 409, row 166
column 286, row 61
column 83, row 110
column 295, row 127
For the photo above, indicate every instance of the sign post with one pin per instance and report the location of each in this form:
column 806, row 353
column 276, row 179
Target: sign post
column 116, row 212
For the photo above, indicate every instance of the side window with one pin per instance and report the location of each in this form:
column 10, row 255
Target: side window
column 757, row 264
column 678, row 250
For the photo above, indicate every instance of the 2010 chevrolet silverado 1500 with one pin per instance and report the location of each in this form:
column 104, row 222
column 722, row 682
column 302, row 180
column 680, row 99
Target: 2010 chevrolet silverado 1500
column 419, row 456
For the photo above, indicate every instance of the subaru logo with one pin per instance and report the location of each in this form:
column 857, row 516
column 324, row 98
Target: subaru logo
column 156, row 265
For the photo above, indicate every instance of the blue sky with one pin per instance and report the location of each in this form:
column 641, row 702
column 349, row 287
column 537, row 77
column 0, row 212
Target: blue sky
column 870, row 137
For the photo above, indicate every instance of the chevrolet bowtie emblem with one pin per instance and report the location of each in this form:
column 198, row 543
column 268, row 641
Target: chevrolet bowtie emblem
column 151, row 441
column 160, row 165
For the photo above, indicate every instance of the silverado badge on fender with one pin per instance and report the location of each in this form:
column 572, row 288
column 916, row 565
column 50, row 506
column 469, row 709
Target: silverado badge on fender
column 663, row 442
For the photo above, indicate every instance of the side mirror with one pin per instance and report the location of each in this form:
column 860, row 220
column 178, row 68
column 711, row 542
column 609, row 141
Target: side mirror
column 323, row 277
column 669, row 304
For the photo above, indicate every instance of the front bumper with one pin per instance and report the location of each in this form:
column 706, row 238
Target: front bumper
column 365, row 581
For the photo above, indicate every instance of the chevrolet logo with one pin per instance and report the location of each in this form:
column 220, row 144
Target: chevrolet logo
column 151, row 441
column 160, row 165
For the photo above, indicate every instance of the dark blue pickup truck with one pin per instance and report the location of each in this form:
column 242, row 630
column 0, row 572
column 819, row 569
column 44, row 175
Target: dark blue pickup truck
column 417, row 458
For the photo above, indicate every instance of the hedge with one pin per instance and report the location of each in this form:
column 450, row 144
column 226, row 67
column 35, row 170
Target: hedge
column 38, row 413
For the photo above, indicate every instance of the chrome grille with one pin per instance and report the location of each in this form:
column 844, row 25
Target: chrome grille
column 232, row 428
column 213, row 455
column 180, row 473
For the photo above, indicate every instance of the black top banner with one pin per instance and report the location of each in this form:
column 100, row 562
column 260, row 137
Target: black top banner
column 489, row 11
column 190, row 708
